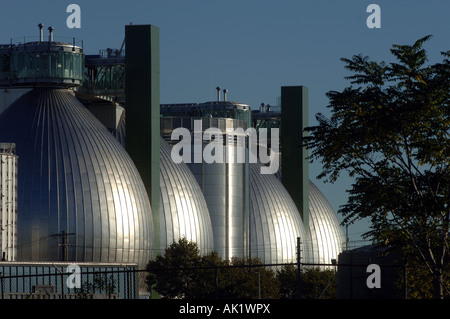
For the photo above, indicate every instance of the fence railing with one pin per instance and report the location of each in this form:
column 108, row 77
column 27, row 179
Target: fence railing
column 51, row 281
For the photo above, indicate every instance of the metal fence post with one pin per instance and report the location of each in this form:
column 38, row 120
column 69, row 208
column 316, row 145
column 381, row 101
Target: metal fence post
column 1, row 285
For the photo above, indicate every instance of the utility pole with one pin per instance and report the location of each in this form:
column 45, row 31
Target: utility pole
column 298, row 266
column 64, row 244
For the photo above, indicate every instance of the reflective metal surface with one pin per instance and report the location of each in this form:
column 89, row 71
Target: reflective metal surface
column 269, row 226
column 74, row 177
column 8, row 201
column 225, row 188
column 326, row 234
column 224, row 182
column 183, row 209
column 275, row 222
column 325, row 237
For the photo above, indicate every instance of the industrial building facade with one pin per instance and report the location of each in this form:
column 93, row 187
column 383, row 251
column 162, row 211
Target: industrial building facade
column 96, row 181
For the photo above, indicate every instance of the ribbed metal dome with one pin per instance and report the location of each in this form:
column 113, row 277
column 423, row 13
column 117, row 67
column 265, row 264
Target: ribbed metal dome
column 326, row 236
column 322, row 240
column 275, row 222
column 183, row 209
column 74, row 177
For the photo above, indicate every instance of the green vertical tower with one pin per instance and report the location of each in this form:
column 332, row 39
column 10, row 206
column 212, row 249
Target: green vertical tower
column 142, row 103
column 294, row 163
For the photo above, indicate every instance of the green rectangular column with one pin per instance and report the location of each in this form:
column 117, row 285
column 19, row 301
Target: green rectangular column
column 294, row 163
column 142, row 104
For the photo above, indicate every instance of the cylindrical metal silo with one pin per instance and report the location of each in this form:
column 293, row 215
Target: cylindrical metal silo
column 225, row 186
column 225, row 178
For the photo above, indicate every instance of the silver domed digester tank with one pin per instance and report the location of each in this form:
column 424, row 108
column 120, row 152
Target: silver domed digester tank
column 74, row 177
column 80, row 196
column 275, row 222
column 183, row 209
column 326, row 236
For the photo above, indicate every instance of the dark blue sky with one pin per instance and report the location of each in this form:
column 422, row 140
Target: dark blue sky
column 251, row 48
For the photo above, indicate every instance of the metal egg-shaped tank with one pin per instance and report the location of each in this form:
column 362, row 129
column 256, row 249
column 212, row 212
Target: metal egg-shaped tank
column 275, row 222
column 183, row 209
column 326, row 236
column 80, row 196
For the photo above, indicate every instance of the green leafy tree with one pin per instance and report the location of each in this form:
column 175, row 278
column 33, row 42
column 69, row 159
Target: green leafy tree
column 173, row 274
column 248, row 279
column 419, row 284
column 183, row 273
column 390, row 132
column 208, row 284
column 315, row 283
column 287, row 276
